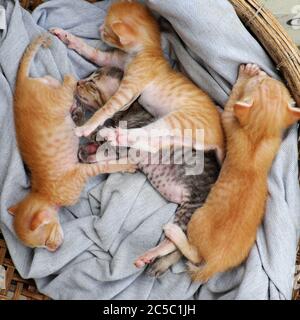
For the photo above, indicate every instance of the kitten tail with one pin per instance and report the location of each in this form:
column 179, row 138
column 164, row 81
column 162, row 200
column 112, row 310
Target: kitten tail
column 202, row 273
column 42, row 40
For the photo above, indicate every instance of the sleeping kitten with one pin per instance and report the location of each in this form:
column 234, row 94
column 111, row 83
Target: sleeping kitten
column 222, row 232
column 93, row 92
column 171, row 180
column 175, row 102
column 48, row 145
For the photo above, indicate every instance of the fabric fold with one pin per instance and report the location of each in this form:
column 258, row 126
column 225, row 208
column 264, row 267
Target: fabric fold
column 119, row 217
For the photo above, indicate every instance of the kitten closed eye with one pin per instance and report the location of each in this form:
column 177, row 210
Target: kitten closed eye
column 223, row 231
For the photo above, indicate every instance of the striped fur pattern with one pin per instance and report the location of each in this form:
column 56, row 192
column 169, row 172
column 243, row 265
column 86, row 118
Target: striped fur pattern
column 222, row 232
column 168, row 179
column 48, row 145
column 175, row 102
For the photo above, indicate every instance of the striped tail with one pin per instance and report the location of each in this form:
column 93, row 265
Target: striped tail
column 42, row 40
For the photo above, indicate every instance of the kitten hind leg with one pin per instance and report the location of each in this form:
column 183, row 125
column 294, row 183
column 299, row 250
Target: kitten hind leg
column 178, row 237
column 164, row 248
column 161, row 265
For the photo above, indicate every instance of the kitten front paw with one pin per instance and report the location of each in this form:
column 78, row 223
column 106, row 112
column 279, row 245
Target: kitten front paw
column 64, row 36
column 116, row 137
column 59, row 33
column 47, row 41
column 250, row 70
column 130, row 168
column 78, row 116
column 84, row 131
column 108, row 134
column 79, row 132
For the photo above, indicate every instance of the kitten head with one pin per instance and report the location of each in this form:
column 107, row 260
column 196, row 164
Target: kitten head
column 36, row 223
column 266, row 106
column 130, row 26
column 95, row 90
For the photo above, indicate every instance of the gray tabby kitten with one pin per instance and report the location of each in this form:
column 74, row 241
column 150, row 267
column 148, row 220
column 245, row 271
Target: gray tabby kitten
column 170, row 180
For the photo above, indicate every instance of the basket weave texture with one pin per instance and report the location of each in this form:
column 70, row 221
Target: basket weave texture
column 16, row 288
column 274, row 38
column 286, row 56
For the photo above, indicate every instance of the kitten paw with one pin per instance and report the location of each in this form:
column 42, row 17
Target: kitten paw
column 47, row 41
column 142, row 262
column 64, row 36
column 158, row 268
column 84, row 131
column 116, row 137
column 59, row 33
column 250, row 70
column 77, row 114
column 145, row 259
column 174, row 233
column 108, row 134
column 131, row 168
column 78, row 132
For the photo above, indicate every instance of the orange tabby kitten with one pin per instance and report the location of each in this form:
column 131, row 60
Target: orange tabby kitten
column 48, row 145
column 222, row 232
column 169, row 96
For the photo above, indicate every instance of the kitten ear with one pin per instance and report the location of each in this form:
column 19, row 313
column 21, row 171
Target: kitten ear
column 13, row 209
column 242, row 107
column 41, row 218
column 124, row 32
column 246, row 102
column 293, row 110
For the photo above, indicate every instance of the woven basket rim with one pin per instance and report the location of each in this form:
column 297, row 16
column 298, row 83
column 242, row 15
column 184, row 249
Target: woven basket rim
column 251, row 13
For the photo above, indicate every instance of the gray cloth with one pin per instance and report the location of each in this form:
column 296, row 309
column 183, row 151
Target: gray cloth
column 120, row 217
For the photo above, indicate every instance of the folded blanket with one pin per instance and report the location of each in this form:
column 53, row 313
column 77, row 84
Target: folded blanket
column 121, row 216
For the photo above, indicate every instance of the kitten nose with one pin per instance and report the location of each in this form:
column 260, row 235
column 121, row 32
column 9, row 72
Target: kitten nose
column 101, row 28
column 80, row 83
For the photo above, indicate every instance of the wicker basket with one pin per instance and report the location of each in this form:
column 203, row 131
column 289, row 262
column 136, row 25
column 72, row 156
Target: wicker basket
column 16, row 287
column 286, row 56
